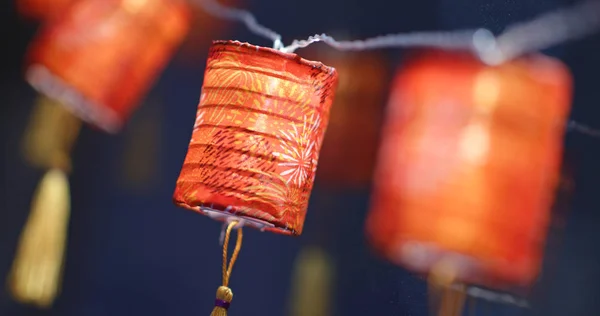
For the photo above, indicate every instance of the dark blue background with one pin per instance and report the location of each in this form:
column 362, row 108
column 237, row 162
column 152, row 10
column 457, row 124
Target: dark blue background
column 131, row 252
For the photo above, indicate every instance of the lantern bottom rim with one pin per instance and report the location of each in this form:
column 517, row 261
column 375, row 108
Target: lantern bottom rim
column 46, row 82
column 492, row 295
column 223, row 215
column 421, row 257
column 227, row 217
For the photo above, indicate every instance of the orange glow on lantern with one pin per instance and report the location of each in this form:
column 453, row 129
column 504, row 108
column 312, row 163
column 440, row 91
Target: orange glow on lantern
column 42, row 10
column 259, row 128
column 102, row 56
column 468, row 166
column 350, row 146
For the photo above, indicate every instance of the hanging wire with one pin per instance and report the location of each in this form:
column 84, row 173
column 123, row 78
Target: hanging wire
column 548, row 30
column 215, row 8
column 545, row 31
column 444, row 40
column 575, row 126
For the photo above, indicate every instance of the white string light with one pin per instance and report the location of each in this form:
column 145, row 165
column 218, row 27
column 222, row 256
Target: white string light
column 575, row 126
column 444, row 40
column 216, row 9
column 550, row 29
column 543, row 32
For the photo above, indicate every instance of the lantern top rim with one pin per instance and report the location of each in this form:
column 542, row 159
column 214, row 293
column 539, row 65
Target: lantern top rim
column 245, row 46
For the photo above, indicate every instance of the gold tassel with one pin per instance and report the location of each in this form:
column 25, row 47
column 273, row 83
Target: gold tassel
column 36, row 271
column 313, row 276
column 50, row 135
column 35, row 276
column 445, row 301
column 224, row 293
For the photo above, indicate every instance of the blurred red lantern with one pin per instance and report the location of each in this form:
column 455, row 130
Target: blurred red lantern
column 259, row 128
column 97, row 58
column 42, row 10
column 469, row 162
column 350, row 146
column 101, row 57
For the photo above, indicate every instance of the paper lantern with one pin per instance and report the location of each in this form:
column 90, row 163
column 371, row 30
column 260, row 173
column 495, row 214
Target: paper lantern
column 259, row 128
column 102, row 56
column 350, row 147
column 255, row 144
column 469, row 162
column 42, row 10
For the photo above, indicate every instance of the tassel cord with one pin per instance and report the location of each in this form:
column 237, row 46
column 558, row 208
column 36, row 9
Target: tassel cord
column 224, row 293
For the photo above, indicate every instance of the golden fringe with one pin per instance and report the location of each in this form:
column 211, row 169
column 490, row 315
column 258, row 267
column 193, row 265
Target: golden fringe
column 313, row 277
column 446, row 297
column 35, row 276
column 50, row 135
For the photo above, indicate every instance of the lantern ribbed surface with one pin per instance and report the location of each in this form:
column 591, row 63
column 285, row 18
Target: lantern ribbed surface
column 102, row 56
column 468, row 166
column 256, row 140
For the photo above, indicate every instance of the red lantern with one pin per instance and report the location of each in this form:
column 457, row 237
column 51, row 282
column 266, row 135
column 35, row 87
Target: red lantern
column 259, row 128
column 350, row 147
column 255, row 144
column 42, row 10
column 103, row 55
column 468, row 166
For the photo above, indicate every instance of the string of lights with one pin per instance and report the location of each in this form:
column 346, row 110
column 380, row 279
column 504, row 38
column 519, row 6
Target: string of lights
column 544, row 31
column 576, row 126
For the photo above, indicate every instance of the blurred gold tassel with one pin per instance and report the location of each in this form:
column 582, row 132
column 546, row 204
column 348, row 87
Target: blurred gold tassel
column 50, row 134
column 311, row 295
column 224, row 293
column 35, row 277
column 139, row 169
column 36, row 271
column 444, row 299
